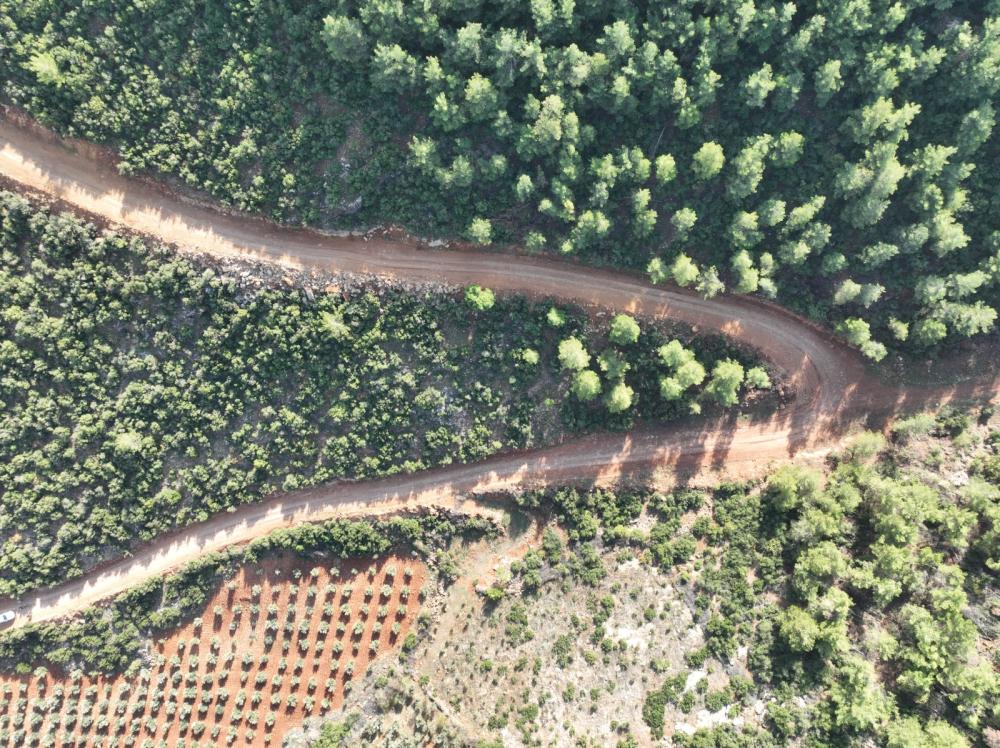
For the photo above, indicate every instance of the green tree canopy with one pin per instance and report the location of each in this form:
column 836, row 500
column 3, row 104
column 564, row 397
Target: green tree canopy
column 723, row 387
column 619, row 398
column 624, row 329
column 586, row 385
column 479, row 298
column 708, row 161
column 572, row 354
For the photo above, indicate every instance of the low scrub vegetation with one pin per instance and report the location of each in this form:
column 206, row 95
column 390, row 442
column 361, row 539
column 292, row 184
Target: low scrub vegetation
column 855, row 605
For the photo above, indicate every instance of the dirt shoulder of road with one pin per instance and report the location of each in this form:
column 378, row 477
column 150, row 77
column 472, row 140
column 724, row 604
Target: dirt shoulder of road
column 835, row 391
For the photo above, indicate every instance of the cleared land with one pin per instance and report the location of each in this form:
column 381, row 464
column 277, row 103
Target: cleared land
column 279, row 643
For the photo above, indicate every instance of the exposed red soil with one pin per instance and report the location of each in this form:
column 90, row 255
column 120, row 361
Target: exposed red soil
column 130, row 698
column 834, row 389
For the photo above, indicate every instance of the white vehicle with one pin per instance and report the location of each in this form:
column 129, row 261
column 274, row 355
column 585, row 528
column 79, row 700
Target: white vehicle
column 7, row 616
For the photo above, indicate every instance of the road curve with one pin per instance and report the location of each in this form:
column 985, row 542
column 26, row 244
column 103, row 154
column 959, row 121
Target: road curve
column 833, row 386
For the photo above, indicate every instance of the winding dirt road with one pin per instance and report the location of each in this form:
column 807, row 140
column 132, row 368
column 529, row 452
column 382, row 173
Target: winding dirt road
column 833, row 387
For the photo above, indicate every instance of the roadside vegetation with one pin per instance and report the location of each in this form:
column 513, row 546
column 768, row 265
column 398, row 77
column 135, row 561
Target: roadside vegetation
column 141, row 391
column 839, row 156
column 113, row 637
column 235, row 649
column 856, row 605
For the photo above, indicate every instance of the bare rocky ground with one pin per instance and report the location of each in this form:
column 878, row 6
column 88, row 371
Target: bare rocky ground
column 535, row 670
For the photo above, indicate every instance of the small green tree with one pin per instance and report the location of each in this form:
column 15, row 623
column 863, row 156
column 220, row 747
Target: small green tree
column 480, row 231
column 624, row 329
column 799, row 629
column 344, row 38
column 524, row 187
column 927, row 332
column 828, row 81
column 555, row 317
column 709, row 283
column 757, row 378
column 619, row 398
column 534, row 241
column 612, row 364
column 657, row 271
column 727, row 376
column 859, row 702
column 687, row 372
column 846, row 292
column 683, row 221
column 908, row 733
column 758, row 85
column 708, row 161
column 666, row 168
column 586, row 385
column 46, row 69
column 573, row 355
column 684, row 270
column 479, row 298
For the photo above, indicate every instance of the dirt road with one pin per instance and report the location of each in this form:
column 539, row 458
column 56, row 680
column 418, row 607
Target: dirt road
column 833, row 387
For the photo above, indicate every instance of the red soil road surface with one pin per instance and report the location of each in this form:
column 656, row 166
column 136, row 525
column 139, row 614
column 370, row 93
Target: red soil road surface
column 833, row 388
